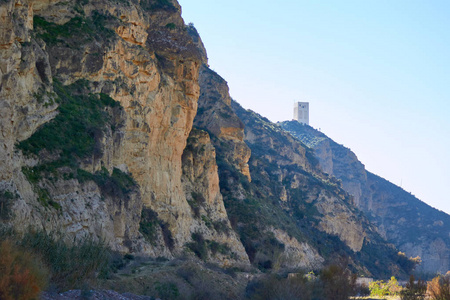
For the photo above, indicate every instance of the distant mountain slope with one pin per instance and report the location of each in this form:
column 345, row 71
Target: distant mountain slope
column 286, row 211
column 413, row 226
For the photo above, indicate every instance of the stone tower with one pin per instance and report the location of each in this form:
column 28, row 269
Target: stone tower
column 301, row 112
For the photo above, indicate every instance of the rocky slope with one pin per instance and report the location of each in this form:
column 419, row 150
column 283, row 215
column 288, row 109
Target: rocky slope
column 98, row 139
column 287, row 179
column 287, row 212
column 413, row 226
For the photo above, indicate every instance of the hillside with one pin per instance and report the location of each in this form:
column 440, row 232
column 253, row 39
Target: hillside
column 286, row 211
column 410, row 224
column 114, row 131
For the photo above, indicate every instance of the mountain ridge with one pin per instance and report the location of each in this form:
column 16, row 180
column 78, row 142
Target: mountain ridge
column 412, row 225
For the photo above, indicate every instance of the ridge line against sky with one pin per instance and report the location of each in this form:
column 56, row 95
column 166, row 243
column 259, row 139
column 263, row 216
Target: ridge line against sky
column 376, row 75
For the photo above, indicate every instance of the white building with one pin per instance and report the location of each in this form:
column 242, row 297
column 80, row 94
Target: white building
column 301, row 112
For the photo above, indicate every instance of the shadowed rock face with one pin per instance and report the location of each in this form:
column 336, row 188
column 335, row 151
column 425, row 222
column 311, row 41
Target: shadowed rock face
column 216, row 116
column 414, row 227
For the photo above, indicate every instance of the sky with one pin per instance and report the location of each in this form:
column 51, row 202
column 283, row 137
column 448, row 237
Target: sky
column 375, row 72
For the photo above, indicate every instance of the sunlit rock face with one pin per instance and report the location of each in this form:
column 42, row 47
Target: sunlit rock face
column 141, row 56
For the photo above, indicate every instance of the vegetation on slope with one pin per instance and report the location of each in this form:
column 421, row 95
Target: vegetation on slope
column 37, row 258
column 299, row 215
column 74, row 135
column 407, row 222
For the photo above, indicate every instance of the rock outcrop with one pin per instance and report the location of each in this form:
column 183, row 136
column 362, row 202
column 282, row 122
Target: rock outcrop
column 201, row 185
column 216, row 116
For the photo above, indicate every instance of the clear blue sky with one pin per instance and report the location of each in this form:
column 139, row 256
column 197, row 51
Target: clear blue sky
column 376, row 74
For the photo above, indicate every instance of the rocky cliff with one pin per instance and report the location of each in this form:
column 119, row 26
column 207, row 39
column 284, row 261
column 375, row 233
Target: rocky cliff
column 98, row 101
column 114, row 127
column 414, row 227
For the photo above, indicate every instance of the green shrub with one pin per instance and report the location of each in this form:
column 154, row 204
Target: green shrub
column 45, row 199
column 167, row 290
column 78, row 27
column 167, row 235
column 198, row 246
column 72, row 134
column 207, row 221
column 118, row 184
column 196, row 203
column 276, row 287
column 380, row 288
column 33, row 175
column 216, row 247
column 195, row 208
column 166, row 5
column 221, row 226
column 171, row 26
column 148, row 225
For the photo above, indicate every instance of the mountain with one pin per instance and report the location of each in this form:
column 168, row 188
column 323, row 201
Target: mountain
column 287, row 212
column 410, row 224
column 98, row 102
column 113, row 127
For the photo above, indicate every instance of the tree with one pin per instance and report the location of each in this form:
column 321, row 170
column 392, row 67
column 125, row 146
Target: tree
column 339, row 282
column 413, row 290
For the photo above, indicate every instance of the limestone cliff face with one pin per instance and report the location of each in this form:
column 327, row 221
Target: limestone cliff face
column 201, row 185
column 296, row 254
column 216, row 116
column 414, row 227
column 277, row 198
column 23, row 70
column 141, row 55
column 271, row 246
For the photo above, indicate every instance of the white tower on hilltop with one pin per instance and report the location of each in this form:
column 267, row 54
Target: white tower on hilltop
column 301, row 112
